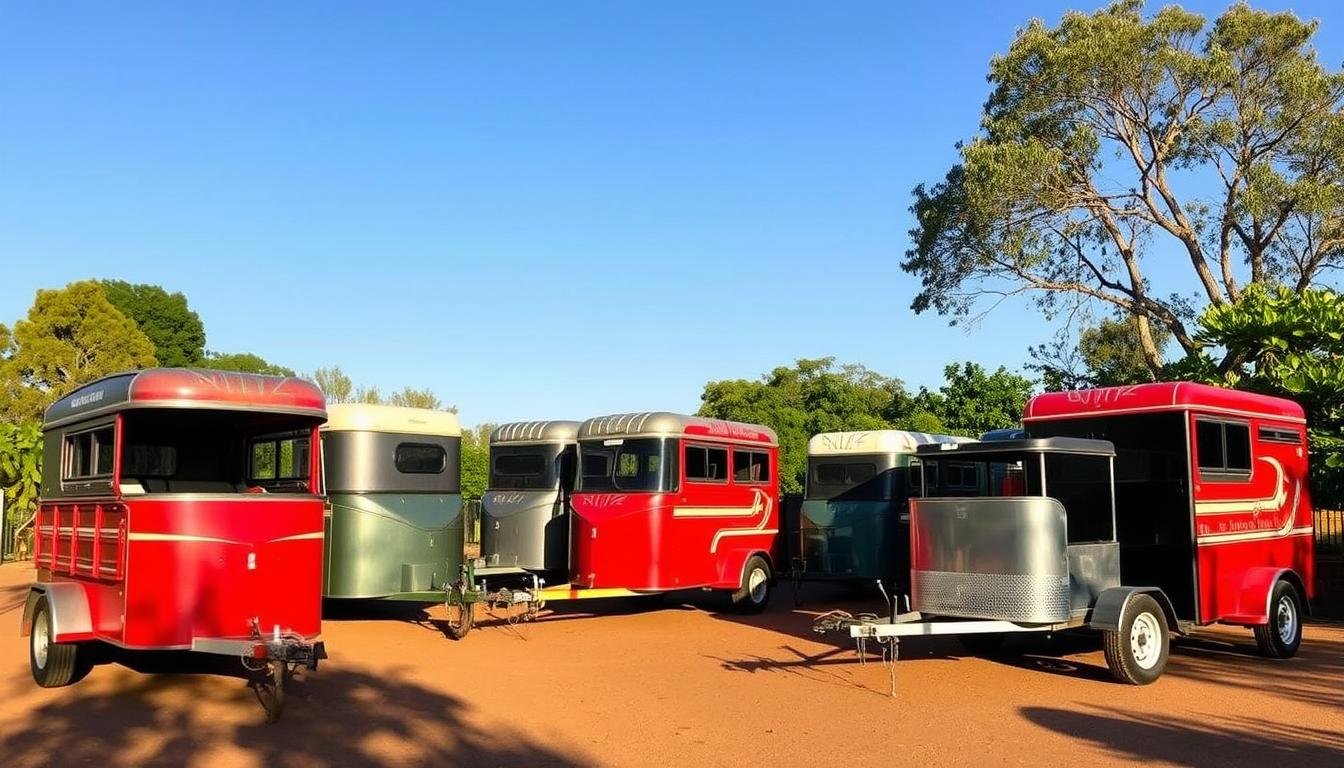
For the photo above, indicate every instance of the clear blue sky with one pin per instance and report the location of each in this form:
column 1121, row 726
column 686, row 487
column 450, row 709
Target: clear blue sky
column 534, row 209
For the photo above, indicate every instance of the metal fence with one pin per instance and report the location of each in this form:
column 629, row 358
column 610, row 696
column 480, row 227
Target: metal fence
column 1330, row 532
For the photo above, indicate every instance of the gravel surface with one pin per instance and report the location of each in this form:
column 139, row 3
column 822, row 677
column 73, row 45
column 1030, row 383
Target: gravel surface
column 681, row 684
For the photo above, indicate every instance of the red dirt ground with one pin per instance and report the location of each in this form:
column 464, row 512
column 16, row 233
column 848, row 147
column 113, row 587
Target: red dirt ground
column 687, row 685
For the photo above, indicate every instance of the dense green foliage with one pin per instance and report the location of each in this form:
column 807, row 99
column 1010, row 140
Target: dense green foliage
column 1114, row 139
column 972, row 401
column 476, row 460
column 818, row 395
column 172, row 327
column 1281, row 342
column 20, row 469
column 71, row 336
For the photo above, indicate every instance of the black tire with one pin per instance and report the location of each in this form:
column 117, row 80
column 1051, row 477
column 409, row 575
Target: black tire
column 62, row 663
column 1137, row 654
column 1282, row 636
column 466, row 618
column 754, row 594
column 983, row 643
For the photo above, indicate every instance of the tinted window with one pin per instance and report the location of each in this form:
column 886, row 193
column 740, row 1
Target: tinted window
column 89, row 454
column 637, row 464
column 860, row 472
column 520, row 464
column 1223, row 447
column 837, row 478
column 279, row 458
column 421, row 458
column 830, row 474
column 1209, row 444
column 706, row 464
column 1237, row 442
column 751, row 467
column 596, row 464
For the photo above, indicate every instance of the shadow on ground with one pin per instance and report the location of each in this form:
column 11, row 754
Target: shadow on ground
column 334, row 717
column 1194, row 742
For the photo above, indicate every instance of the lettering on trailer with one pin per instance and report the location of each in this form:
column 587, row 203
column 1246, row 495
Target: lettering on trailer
column 1099, row 398
column 845, row 441
column 604, row 500
column 507, row 497
column 88, row 398
column 731, row 429
column 1257, row 527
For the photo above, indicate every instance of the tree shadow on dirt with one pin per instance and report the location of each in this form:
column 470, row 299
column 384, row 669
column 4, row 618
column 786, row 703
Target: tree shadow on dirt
column 336, row 716
column 1314, row 676
column 1209, row 740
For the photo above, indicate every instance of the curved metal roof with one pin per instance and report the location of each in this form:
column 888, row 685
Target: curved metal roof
column 875, row 441
column 666, row 424
column 535, row 432
column 1160, row 396
column 365, row 417
column 188, row 388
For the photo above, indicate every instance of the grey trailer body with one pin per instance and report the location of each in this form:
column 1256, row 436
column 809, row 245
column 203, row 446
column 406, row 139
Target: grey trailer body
column 1030, row 546
column 525, row 510
column 394, row 523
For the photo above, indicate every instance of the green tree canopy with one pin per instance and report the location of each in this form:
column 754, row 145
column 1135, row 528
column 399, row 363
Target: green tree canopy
column 71, row 336
column 409, row 397
column 244, row 362
column 172, row 327
column 335, row 385
column 1112, row 140
column 812, row 396
column 972, row 401
column 20, row 468
column 1105, row 355
column 1291, row 344
column 476, row 460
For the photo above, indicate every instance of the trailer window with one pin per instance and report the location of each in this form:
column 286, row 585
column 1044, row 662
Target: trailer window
column 280, row 458
column 89, row 454
column 1223, row 448
column 1276, row 435
column 520, row 464
column 420, row 458
column 639, row 464
column 751, row 467
column 704, row 464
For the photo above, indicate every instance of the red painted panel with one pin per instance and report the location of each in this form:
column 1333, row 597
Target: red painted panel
column 1246, row 530
column 205, row 568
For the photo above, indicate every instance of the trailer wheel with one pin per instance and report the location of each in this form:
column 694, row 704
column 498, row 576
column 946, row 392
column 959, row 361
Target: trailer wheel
column 1137, row 653
column 53, row 664
column 754, row 594
column 1282, row 636
column 461, row 618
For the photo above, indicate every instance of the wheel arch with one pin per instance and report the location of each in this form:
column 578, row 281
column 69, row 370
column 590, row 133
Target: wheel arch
column 764, row 555
column 69, row 606
column 1110, row 607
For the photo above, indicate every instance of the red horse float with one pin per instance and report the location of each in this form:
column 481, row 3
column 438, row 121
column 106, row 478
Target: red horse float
column 180, row 511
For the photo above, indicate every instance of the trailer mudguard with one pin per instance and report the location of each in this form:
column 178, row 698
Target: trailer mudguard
column 1111, row 603
column 70, row 617
column 733, row 567
column 1257, row 589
